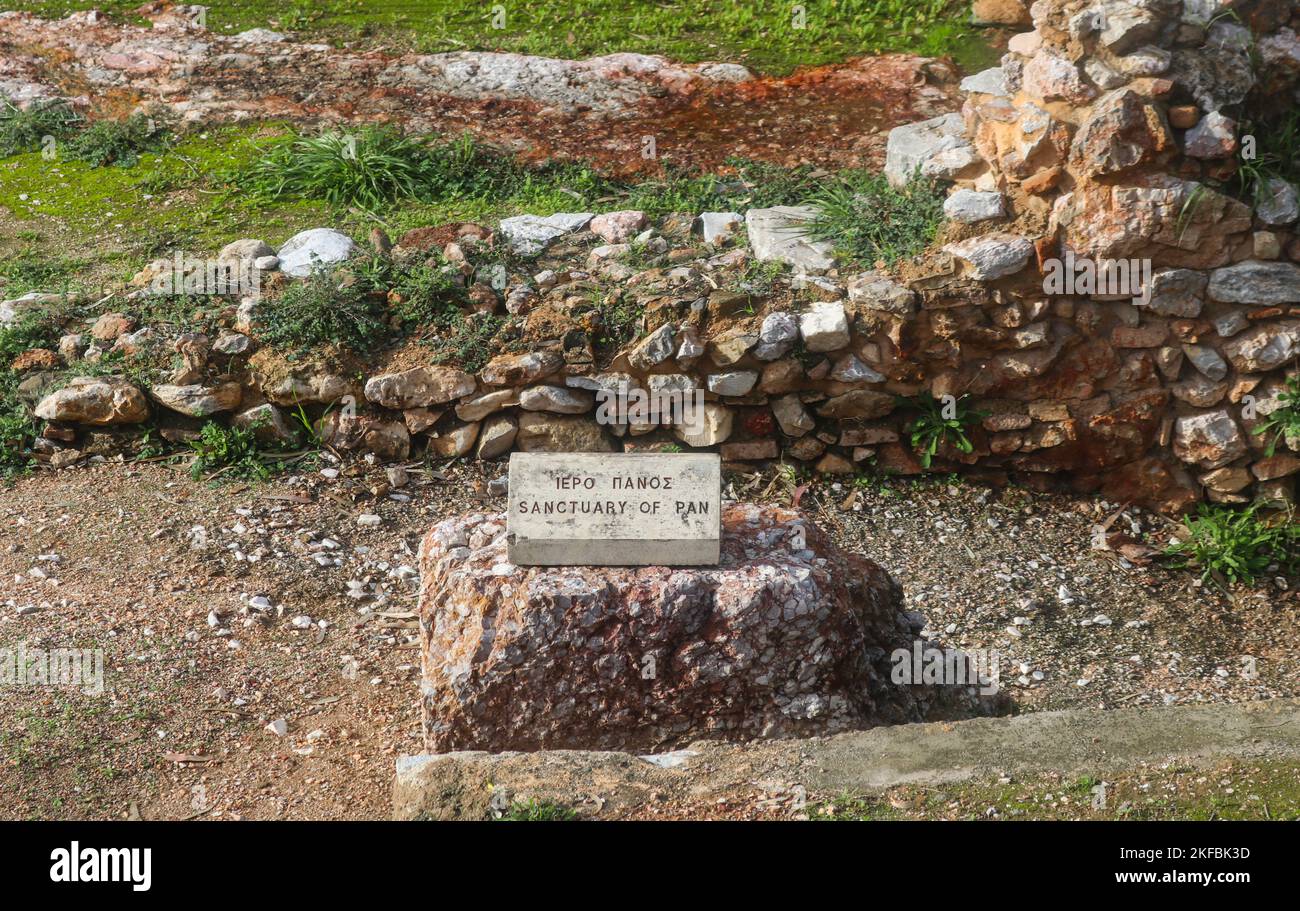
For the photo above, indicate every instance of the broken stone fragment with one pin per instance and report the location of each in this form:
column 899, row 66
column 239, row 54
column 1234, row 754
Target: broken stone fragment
column 971, row 206
column 497, row 436
column 556, row 399
column 776, row 336
column 531, row 234
column 719, row 227
column 824, row 327
column 1211, row 439
column 1265, row 347
column 993, row 256
column 100, row 400
column 715, row 427
column 877, row 291
column 654, row 349
column 935, row 148
column 521, row 369
column 783, row 234
column 419, row 387
column 1215, row 136
column 732, row 383
column 1257, row 283
column 268, row 424
column 314, row 250
column 196, row 400
column 617, row 227
column 540, row 431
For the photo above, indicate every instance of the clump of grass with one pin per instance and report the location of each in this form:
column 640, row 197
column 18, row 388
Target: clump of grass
column 368, row 167
column 24, row 129
column 537, row 811
column 940, row 422
column 868, row 219
column 229, row 451
column 1277, row 156
column 1283, row 423
column 121, row 142
column 1235, row 545
column 324, row 310
column 466, row 340
column 31, row 271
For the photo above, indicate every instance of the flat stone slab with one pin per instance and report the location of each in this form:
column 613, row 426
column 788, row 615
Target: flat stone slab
column 614, row 509
column 610, row 785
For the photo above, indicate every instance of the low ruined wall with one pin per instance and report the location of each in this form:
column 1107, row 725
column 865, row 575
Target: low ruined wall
column 1106, row 141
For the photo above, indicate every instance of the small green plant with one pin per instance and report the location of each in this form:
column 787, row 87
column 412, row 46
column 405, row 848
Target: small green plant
column 940, row 421
column 229, row 451
column 868, row 219
column 538, row 811
column 323, row 310
column 25, row 129
column 1235, row 545
column 467, row 340
column 121, row 142
column 368, row 167
column 425, row 294
column 1282, row 423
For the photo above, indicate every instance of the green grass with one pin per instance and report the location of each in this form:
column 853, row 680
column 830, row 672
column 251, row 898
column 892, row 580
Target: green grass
column 1283, row 423
column 869, row 220
column 322, row 310
column 537, row 811
column 1231, row 545
column 230, row 452
column 935, row 425
column 763, row 34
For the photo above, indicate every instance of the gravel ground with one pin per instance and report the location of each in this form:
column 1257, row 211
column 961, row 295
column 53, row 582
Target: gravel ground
column 224, row 609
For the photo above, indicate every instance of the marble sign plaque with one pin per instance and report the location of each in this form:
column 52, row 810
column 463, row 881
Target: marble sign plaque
column 614, row 509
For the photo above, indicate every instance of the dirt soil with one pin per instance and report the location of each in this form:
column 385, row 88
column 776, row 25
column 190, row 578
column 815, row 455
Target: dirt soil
column 601, row 110
column 166, row 575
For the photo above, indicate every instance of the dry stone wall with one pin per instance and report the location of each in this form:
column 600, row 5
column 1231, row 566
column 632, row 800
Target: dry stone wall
column 1111, row 134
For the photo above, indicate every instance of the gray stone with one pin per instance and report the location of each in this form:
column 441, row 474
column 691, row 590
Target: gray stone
column 319, row 248
column 1257, row 283
column 196, row 400
column 540, row 431
column 1175, row 292
column 877, row 291
column 824, row 327
column 1210, row 440
column 1265, row 347
column 986, row 82
column 556, row 399
column 654, row 349
column 970, row 206
column 1214, row 136
column 735, row 382
column 1279, row 203
column 614, row 510
column 936, row 148
column 782, row 234
column 992, row 256
column 719, row 227
column 249, row 248
column 1127, row 25
column 849, row 369
column 776, row 336
column 419, row 387
column 268, row 424
column 791, row 415
column 531, row 234
column 1208, row 361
